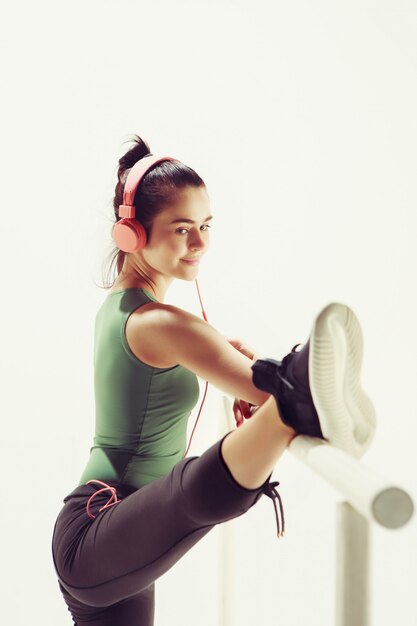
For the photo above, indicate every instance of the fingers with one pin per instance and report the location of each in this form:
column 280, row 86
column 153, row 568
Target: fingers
column 243, row 410
column 242, row 347
column 237, row 413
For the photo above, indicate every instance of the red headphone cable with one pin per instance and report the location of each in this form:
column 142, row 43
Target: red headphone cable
column 205, row 391
column 201, row 303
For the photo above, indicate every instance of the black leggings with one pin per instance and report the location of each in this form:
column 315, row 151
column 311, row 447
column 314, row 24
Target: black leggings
column 107, row 566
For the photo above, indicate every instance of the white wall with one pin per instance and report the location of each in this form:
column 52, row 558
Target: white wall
column 300, row 116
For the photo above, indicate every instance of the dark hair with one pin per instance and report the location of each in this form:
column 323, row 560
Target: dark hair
column 157, row 189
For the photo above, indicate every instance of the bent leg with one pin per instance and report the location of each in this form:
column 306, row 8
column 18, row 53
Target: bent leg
column 136, row 610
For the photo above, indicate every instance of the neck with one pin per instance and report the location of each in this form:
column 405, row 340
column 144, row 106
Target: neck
column 158, row 286
column 159, row 289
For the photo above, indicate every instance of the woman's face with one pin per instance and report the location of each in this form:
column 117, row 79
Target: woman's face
column 179, row 232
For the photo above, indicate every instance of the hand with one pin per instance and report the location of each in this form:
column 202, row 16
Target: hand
column 243, row 348
column 243, row 410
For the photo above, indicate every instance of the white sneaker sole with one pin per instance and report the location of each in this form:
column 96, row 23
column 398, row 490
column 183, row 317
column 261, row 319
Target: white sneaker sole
column 347, row 415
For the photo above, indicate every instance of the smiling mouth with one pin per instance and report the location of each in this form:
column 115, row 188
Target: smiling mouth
column 191, row 261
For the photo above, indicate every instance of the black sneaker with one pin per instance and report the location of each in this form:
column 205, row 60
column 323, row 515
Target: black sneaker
column 317, row 389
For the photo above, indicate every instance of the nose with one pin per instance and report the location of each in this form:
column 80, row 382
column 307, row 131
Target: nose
column 197, row 241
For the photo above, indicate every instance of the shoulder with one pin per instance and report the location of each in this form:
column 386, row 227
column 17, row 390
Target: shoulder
column 150, row 330
column 152, row 316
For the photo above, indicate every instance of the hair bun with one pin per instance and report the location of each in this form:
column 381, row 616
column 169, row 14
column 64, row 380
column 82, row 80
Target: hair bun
column 139, row 150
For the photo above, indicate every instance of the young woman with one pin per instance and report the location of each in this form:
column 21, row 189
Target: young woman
column 140, row 504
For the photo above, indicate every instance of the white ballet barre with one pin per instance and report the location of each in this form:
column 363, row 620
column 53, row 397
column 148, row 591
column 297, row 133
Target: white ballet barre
column 373, row 495
column 369, row 497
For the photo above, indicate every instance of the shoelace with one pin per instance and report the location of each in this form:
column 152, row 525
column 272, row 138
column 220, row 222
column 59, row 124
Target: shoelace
column 111, row 501
column 270, row 491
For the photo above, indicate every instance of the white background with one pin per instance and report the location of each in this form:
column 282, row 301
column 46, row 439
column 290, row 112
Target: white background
column 301, row 118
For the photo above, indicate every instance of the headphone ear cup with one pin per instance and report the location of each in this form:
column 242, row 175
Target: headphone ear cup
column 129, row 235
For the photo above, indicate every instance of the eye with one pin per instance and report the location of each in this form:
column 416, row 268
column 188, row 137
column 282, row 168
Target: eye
column 179, row 230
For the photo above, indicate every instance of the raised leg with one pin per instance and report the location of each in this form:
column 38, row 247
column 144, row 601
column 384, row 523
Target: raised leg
column 251, row 451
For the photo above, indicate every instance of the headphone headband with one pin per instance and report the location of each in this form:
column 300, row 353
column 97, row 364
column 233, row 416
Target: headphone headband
column 128, row 233
column 127, row 209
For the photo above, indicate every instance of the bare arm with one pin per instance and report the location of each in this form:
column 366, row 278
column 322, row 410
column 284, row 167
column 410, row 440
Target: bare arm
column 198, row 346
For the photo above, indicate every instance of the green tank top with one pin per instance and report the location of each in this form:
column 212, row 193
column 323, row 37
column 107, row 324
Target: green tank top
column 141, row 411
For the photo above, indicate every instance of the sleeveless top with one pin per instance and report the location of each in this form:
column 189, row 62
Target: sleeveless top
column 141, row 411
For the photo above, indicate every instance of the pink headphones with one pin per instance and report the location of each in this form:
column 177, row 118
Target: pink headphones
column 128, row 233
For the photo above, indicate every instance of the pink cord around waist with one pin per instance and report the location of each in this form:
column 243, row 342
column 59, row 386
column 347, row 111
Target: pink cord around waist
column 112, row 500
